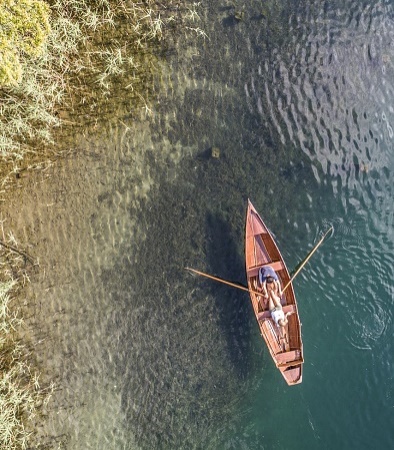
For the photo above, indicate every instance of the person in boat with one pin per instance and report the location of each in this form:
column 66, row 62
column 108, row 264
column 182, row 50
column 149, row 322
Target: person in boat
column 270, row 286
column 269, row 282
column 277, row 314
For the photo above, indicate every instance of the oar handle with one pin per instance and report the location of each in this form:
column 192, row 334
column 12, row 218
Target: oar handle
column 220, row 280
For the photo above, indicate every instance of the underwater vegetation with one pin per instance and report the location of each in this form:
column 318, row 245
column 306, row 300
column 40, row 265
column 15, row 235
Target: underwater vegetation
column 61, row 62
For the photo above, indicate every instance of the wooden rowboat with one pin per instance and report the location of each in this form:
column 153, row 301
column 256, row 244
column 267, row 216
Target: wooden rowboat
column 285, row 347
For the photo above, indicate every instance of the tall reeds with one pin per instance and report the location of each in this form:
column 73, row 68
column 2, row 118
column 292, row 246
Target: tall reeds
column 91, row 46
column 21, row 396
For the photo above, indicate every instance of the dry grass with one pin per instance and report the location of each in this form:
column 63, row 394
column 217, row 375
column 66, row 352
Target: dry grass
column 94, row 47
column 21, row 396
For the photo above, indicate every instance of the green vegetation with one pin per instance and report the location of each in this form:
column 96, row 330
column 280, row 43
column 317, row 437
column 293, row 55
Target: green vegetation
column 24, row 30
column 60, row 64
column 17, row 387
column 21, row 396
column 63, row 63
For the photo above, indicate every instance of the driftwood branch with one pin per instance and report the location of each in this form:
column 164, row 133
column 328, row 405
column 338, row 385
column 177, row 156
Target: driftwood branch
column 19, row 252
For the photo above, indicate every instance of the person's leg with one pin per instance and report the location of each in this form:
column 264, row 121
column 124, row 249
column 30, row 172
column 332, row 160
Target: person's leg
column 275, row 299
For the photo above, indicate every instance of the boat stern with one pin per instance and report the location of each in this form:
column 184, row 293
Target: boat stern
column 293, row 375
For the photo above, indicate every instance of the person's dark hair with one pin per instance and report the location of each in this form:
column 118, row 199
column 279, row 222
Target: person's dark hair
column 270, row 279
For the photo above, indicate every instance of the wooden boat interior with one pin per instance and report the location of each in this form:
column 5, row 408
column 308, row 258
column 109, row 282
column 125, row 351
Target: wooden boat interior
column 261, row 250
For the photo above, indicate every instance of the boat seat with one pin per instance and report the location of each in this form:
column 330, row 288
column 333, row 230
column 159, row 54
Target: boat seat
column 287, row 359
column 276, row 265
column 296, row 362
column 264, row 315
column 289, row 309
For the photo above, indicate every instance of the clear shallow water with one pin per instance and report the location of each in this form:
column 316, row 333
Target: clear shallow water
column 298, row 99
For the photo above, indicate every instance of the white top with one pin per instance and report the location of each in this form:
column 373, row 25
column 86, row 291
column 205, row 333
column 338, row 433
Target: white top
column 277, row 314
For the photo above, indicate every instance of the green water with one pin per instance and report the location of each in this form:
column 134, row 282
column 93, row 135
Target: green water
column 297, row 97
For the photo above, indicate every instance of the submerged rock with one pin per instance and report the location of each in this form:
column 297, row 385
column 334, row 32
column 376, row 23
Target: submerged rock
column 239, row 15
column 215, row 152
column 364, row 168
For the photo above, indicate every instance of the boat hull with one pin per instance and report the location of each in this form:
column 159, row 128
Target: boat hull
column 285, row 346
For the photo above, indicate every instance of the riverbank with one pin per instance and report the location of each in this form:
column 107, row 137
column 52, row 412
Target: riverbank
column 24, row 395
column 100, row 58
column 97, row 57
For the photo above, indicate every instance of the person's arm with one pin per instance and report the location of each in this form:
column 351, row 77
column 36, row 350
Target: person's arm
column 278, row 288
column 289, row 313
column 264, row 289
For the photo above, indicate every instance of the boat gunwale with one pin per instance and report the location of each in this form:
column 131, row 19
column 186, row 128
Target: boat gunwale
column 289, row 295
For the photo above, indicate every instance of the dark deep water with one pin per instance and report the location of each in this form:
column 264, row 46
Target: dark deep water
column 298, row 98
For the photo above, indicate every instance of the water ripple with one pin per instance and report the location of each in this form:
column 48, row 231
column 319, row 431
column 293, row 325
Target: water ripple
column 322, row 94
column 155, row 359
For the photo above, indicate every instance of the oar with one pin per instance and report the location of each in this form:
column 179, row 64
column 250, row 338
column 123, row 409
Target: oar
column 220, row 280
column 307, row 258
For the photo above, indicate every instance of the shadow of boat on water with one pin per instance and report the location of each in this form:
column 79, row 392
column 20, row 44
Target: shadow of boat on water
column 235, row 315
column 180, row 345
